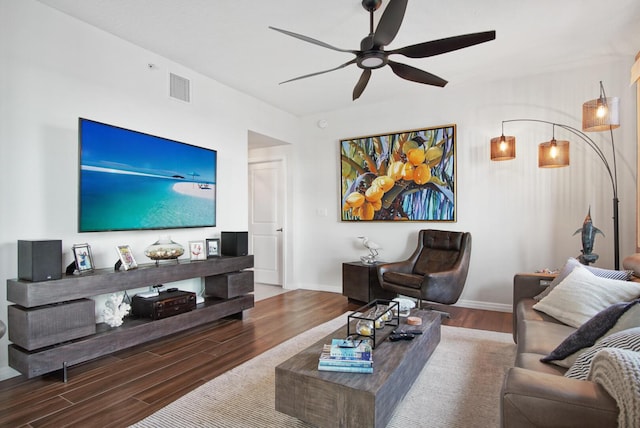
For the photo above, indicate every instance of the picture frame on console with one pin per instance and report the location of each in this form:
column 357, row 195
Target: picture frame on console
column 83, row 258
column 213, row 247
column 197, row 250
column 126, row 257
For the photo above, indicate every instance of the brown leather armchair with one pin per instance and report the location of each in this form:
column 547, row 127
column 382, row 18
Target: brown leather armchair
column 435, row 272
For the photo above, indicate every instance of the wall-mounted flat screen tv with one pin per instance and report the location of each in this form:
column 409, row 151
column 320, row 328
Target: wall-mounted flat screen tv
column 130, row 180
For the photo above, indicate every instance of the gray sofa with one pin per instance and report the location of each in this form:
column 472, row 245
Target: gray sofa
column 536, row 394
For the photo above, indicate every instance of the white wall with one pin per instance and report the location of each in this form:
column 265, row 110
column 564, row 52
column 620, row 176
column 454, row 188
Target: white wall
column 55, row 69
column 521, row 217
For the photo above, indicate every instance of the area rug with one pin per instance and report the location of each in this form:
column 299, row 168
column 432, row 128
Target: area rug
column 458, row 387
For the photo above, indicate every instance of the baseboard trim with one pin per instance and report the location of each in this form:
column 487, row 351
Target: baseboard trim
column 471, row 304
column 487, row 306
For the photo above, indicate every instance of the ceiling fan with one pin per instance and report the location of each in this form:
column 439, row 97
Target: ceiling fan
column 372, row 54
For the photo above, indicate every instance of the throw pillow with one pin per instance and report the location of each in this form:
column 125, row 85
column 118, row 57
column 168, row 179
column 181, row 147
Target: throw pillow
column 581, row 295
column 630, row 319
column 572, row 263
column 602, row 324
column 627, row 339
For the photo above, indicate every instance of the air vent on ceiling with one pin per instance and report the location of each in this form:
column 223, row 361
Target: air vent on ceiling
column 179, row 88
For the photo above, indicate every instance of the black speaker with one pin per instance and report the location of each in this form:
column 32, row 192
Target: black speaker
column 40, row 260
column 234, row 243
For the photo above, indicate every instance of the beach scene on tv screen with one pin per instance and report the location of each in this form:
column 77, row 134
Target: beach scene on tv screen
column 130, row 180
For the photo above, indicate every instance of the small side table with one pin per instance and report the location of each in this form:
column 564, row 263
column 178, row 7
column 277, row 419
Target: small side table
column 360, row 283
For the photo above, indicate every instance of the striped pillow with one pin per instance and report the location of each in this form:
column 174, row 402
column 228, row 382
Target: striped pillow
column 626, row 339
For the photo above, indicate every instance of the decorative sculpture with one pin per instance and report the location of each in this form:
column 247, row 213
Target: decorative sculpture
column 373, row 248
column 589, row 232
column 116, row 309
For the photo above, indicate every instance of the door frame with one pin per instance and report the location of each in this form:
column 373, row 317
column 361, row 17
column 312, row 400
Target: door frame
column 282, row 158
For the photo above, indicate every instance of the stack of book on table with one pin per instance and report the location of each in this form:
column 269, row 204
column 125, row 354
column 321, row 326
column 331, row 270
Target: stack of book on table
column 344, row 355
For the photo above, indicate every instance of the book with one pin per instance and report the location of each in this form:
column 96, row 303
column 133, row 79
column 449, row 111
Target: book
column 347, row 356
column 328, row 360
column 344, row 369
column 360, row 349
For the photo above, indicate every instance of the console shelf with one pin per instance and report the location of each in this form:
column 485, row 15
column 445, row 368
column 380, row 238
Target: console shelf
column 31, row 296
column 103, row 281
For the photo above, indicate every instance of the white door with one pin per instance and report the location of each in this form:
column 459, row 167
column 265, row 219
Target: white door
column 266, row 188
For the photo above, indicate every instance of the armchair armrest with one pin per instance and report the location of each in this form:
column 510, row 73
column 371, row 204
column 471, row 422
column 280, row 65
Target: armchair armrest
column 531, row 398
column 404, row 266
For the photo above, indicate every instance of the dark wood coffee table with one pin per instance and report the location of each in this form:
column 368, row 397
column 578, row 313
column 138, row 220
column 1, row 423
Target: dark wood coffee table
column 330, row 399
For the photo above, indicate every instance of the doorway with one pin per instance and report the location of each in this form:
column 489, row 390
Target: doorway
column 267, row 209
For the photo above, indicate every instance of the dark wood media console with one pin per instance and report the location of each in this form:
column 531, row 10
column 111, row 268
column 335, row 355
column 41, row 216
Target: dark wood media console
column 58, row 299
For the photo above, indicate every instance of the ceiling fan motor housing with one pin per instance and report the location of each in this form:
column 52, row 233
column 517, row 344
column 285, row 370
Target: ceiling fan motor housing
column 371, row 5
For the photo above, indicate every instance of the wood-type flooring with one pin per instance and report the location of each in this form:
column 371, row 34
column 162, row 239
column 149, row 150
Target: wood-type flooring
column 122, row 388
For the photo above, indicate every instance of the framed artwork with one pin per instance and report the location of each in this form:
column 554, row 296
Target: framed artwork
column 197, row 250
column 83, row 258
column 126, row 257
column 213, row 248
column 407, row 175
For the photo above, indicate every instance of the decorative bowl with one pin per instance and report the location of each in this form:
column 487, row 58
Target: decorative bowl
column 164, row 249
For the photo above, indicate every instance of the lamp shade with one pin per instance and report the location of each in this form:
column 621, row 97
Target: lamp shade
column 503, row 148
column 601, row 114
column 553, row 154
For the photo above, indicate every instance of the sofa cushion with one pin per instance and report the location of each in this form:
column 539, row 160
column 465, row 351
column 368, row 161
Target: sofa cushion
column 626, row 339
column 587, row 334
column 581, row 295
column 525, row 311
column 572, row 263
column 531, row 361
column 540, row 337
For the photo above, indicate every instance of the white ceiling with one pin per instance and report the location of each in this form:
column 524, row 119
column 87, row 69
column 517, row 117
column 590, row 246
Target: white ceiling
column 229, row 41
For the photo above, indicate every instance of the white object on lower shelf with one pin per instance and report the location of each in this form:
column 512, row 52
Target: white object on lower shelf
column 149, row 294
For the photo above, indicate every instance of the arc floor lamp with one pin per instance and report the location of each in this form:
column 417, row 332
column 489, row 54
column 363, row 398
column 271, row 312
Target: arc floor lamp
column 601, row 114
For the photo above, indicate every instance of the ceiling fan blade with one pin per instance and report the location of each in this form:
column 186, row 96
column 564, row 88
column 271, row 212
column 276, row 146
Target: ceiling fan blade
column 437, row 47
column 362, row 83
column 353, row 61
column 415, row 75
column 311, row 40
column 389, row 23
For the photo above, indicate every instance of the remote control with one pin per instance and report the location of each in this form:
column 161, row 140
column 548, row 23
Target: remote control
column 394, row 337
column 414, row 332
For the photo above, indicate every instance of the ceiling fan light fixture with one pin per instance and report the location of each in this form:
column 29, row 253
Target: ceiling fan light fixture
column 372, row 60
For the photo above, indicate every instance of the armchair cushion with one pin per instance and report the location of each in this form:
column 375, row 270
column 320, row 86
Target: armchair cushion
column 406, row 279
column 441, row 251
